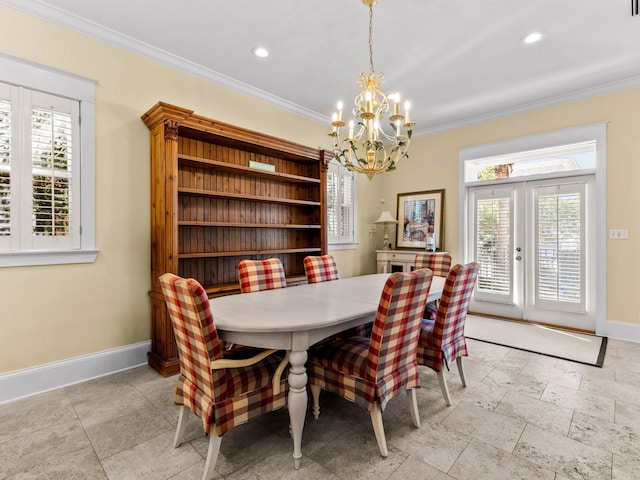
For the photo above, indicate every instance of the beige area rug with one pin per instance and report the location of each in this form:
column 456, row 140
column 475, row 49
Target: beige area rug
column 576, row 347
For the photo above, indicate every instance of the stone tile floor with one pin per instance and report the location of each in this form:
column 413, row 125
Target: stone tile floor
column 522, row 416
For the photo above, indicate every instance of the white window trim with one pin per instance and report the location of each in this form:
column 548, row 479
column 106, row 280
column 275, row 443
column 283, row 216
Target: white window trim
column 354, row 244
column 583, row 133
column 21, row 72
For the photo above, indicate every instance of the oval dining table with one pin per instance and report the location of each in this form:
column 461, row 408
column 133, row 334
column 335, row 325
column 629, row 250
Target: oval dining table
column 297, row 317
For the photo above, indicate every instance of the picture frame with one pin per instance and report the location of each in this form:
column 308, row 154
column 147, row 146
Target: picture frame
column 420, row 220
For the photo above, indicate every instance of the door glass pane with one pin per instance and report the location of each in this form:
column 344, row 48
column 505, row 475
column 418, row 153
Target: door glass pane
column 559, row 245
column 493, row 245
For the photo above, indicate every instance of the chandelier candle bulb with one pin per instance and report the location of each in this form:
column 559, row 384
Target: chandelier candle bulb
column 407, row 109
column 396, row 107
column 340, row 111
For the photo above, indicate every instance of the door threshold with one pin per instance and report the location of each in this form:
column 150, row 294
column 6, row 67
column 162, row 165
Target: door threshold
column 520, row 320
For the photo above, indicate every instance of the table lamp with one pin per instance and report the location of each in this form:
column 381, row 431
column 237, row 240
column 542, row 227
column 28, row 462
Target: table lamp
column 386, row 218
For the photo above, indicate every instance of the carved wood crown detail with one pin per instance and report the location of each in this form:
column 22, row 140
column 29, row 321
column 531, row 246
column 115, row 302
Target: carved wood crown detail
column 171, row 129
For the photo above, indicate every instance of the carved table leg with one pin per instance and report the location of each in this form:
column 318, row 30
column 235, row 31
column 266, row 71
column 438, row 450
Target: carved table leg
column 297, row 401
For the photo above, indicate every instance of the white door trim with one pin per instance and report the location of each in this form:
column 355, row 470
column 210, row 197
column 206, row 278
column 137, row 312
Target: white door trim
column 583, row 133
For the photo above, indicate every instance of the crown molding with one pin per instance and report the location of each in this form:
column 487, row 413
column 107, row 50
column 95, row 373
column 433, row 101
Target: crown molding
column 73, row 22
column 550, row 101
column 107, row 35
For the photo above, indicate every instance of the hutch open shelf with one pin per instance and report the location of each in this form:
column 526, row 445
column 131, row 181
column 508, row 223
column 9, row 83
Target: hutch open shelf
column 219, row 194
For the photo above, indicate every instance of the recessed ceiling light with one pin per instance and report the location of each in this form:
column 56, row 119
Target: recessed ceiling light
column 260, row 52
column 533, row 37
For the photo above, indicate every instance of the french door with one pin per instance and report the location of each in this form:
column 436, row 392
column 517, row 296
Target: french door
column 535, row 242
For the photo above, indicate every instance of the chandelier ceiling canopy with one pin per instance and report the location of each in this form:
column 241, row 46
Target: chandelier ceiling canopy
column 372, row 147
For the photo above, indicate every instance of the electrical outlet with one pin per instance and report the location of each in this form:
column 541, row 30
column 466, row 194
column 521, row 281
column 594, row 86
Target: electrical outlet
column 619, row 234
column 373, row 229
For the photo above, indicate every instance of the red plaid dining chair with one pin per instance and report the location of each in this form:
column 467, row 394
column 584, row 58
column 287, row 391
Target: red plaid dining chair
column 257, row 275
column 371, row 371
column 320, row 269
column 442, row 339
column 439, row 264
column 224, row 392
column 324, row 269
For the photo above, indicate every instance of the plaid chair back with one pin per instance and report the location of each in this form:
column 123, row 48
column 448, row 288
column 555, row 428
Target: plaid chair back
column 320, row 269
column 391, row 363
column 439, row 263
column 448, row 329
column 222, row 398
column 257, row 275
column 198, row 344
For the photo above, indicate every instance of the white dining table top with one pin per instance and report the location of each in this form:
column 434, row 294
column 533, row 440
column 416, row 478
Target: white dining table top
column 305, row 307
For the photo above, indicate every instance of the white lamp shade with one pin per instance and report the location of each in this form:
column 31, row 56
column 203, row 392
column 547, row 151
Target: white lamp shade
column 386, row 217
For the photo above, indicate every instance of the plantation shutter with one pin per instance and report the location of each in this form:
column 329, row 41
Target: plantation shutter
column 332, row 205
column 340, row 205
column 5, row 167
column 493, row 244
column 560, row 259
column 346, row 208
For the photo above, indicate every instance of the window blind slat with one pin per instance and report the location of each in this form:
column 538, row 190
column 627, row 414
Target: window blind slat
column 493, row 245
column 51, row 147
column 559, row 248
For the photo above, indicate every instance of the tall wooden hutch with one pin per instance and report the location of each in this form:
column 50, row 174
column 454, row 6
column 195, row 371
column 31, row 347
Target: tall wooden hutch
column 219, row 194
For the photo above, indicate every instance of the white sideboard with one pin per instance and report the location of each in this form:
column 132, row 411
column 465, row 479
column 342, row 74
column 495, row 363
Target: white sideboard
column 390, row 261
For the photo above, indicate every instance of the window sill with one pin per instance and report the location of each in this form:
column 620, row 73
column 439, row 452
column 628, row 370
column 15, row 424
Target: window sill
column 24, row 259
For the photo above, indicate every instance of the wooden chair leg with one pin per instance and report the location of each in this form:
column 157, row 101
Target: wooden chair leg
column 413, row 406
column 461, row 371
column 378, row 429
column 442, row 380
column 180, row 428
column 212, row 456
column 315, row 393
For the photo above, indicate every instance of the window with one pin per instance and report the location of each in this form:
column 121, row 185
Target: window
column 341, row 211
column 46, row 166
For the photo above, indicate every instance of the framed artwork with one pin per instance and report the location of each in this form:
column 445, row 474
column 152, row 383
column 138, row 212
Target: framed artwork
column 421, row 220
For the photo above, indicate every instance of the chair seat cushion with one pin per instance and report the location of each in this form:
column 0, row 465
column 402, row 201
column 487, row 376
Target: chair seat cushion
column 348, row 355
column 426, row 333
column 430, row 310
column 253, row 377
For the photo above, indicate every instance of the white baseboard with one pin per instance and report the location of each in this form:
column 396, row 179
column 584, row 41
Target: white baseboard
column 623, row 331
column 43, row 378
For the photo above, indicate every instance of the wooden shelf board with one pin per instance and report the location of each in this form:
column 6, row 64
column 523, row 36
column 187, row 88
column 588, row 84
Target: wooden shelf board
column 247, row 171
column 251, row 198
column 195, row 223
column 248, row 252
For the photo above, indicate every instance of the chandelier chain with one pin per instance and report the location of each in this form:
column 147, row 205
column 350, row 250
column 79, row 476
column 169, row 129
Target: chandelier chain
column 371, row 38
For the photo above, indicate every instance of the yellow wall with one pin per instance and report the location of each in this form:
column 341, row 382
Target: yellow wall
column 52, row 313
column 434, row 165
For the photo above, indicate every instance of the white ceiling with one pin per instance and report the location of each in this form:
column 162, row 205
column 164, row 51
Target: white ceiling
column 458, row 61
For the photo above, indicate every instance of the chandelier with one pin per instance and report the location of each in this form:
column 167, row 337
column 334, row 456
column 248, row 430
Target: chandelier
column 368, row 147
